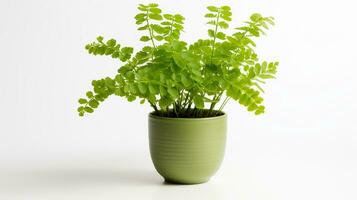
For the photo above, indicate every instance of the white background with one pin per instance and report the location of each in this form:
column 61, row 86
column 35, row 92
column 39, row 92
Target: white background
column 304, row 147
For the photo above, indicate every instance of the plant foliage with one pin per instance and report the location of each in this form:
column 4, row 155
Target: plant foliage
column 181, row 80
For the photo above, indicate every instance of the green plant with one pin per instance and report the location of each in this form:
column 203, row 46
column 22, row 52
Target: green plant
column 180, row 80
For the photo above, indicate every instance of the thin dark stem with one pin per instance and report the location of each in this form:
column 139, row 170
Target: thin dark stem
column 150, row 30
column 175, row 110
column 212, row 53
column 216, row 98
column 155, row 107
column 215, row 36
column 224, row 103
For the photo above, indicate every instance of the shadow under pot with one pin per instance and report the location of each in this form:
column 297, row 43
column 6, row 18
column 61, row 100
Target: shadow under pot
column 187, row 150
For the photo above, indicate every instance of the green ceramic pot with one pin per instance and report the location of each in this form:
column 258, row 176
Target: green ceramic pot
column 187, row 150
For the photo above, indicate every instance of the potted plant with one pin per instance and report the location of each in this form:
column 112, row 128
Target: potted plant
column 186, row 85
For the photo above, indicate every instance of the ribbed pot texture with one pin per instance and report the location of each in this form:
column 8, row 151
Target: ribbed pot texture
column 187, row 150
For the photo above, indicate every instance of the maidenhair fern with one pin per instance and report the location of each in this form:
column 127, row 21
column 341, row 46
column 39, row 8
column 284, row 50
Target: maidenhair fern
column 181, row 80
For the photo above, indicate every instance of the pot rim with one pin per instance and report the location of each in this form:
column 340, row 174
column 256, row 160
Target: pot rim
column 151, row 115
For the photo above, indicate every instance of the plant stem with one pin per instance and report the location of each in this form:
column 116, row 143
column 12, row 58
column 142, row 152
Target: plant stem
column 155, row 107
column 212, row 53
column 212, row 104
column 185, row 101
column 215, row 101
column 171, row 26
column 150, row 30
column 189, row 107
column 215, row 36
column 224, row 103
column 174, row 106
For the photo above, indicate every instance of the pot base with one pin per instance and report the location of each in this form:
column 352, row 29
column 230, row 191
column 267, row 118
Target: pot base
column 176, row 182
